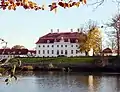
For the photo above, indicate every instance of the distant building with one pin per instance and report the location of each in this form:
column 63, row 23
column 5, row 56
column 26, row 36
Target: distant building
column 115, row 52
column 59, row 44
column 31, row 53
column 5, row 53
column 107, row 52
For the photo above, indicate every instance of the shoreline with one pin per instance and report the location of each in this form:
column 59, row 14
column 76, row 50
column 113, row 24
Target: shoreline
column 77, row 64
column 69, row 68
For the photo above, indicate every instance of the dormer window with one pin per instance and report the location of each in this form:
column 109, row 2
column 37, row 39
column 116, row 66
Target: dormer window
column 68, row 40
column 48, row 41
column 76, row 40
column 62, row 38
column 19, row 52
column 55, row 40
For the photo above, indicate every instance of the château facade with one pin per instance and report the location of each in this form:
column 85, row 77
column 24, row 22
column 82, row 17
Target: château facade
column 58, row 44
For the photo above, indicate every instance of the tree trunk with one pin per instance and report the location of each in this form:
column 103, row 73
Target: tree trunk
column 86, row 53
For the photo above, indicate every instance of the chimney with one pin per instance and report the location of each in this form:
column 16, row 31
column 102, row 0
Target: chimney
column 51, row 30
column 71, row 30
column 58, row 30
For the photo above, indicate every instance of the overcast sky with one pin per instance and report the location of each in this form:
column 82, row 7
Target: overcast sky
column 24, row 27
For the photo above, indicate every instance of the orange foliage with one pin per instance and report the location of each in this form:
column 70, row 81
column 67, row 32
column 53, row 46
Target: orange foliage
column 12, row 4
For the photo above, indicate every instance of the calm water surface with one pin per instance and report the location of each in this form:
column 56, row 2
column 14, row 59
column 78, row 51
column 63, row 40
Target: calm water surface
column 62, row 82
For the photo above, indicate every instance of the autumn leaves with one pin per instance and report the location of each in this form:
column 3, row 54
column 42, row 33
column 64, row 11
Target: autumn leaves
column 92, row 40
column 65, row 5
column 13, row 4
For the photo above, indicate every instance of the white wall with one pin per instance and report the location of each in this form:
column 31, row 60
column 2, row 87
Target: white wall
column 55, row 48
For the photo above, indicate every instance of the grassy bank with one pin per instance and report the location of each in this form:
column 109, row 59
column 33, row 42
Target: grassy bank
column 58, row 59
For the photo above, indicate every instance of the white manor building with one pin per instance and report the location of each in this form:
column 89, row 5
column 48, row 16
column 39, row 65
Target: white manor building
column 58, row 44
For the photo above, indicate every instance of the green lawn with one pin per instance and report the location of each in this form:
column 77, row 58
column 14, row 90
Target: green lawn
column 58, row 59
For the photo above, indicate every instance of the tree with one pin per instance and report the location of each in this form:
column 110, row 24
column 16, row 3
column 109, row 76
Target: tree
column 82, row 43
column 115, row 23
column 18, row 47
column 92, row 40
column 13, row 4
column 13, row 62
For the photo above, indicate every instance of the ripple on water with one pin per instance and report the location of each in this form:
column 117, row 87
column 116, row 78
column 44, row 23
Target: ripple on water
column 46, row 82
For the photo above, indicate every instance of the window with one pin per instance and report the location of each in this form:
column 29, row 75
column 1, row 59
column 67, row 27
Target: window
column 65, row 45
column 43, row 51
column 57, row 52
column 71, row 51
column 61, row 45
column 48, row 41
column 65, row 52
column 47, row 51
column 61, row 51
column 47, row 45
column 71, row 45
column 39, row 51
column 43, row 45
column 76, row 41
column 52, row 45
column 52, row 51
column 57, row 45
column 76, row 51
column 39, row 46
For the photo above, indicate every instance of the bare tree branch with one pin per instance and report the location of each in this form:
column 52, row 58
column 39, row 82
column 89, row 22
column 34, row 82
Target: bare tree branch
column 97, row 4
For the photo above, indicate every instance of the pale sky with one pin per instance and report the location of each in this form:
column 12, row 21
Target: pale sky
column 24, row 27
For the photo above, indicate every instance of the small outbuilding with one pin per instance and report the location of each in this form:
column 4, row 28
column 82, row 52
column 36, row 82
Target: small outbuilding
column 107, row 52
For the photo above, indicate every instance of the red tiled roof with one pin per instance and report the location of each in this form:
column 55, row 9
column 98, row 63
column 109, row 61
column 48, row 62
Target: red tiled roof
column 32, row 51
column 73, row 36
column 107, row 50
column 14, row 51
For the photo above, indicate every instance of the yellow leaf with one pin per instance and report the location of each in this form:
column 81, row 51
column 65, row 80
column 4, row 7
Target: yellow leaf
column 6, row 3
column 77, row 4
column 43, row 7
column 55, row 10
column 68, row 5
column 85, row 1
column 9, row 7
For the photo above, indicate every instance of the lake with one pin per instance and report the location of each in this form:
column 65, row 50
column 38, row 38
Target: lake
column 62, row 82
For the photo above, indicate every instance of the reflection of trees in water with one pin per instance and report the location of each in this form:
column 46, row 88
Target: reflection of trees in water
column 63, row 81
column 51, row 78
column 110, row 83
column 118, row 83
column 85, row 82
column 25, row 73
column 91, row 81
column 67, row 80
